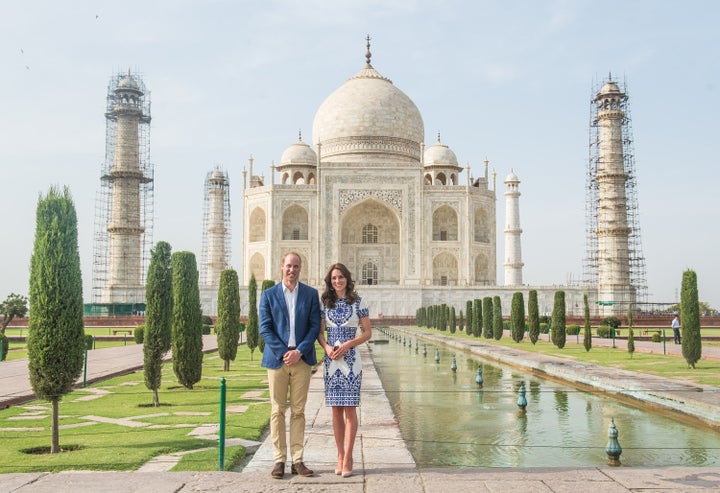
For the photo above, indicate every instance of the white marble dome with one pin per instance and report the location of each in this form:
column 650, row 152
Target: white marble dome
column 440, row 154
column 512, row 177
column 299, row 153
column 368, row 114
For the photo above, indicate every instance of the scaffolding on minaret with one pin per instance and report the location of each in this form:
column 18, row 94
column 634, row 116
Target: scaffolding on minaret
column 593, row 255
column 123, row 223
column 216, row 238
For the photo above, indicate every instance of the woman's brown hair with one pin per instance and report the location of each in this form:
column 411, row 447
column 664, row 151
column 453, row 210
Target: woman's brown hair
column 329, row 298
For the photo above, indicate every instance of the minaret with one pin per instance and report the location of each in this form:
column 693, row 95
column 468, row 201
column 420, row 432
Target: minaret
column 513, row 254
column 612, row 231
column 216, row 244
column 127, row 174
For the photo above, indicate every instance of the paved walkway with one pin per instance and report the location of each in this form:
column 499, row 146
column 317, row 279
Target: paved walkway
column 382, row 464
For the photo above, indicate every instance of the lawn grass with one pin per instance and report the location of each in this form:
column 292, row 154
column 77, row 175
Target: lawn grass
column 18, row 350
column 144, row 432
column 706, row 372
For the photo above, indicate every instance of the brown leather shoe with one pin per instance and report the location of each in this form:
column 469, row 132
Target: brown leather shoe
column 300, row 469
column 278, row 471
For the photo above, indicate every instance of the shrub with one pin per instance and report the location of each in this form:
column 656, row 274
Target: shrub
column 572, row 329
column 611, row 322
column 207, row 320
column 89, row 341
column 544, row 328
column 603, row 331
column 205, row 329
column 656, row 337
column 139, row 334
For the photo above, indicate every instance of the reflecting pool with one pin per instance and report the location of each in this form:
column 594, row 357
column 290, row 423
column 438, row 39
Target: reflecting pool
column 448, row 420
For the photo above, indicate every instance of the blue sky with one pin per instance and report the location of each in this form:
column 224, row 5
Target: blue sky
column 509, row 81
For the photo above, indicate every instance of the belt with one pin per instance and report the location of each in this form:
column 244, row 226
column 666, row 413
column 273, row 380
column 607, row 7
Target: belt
column 292, row 348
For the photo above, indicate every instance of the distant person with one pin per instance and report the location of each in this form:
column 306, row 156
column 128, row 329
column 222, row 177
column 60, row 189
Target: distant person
column 676, row 329
column 345, row 317
column 289, row 325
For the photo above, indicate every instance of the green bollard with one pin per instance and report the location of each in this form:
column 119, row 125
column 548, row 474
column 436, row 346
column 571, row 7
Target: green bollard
column 85, row 369
column 221, row 452
column 664, row 347
column 612, row 329
column 125, row 340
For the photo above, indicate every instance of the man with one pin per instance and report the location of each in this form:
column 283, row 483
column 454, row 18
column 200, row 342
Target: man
column 676, row 329
column 289, row 325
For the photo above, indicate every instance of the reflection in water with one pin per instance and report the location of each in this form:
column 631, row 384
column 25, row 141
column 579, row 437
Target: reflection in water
column 448, row 421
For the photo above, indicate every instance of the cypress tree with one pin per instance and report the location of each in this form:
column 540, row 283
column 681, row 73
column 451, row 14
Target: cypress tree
column 497, row 318
column 253, row 328
column 469, row 314
column 56, row 339
column 158, row 317
column 631, row 336
column 557, row 322
column 517, row 317
column 477, row 319
column 267, row 283
column 533, row 317
column 587, row 336
column 187, row 320
column 690, row 316
column 227, row 326
column 461, row 321
column 452, row 319
column 487, row 317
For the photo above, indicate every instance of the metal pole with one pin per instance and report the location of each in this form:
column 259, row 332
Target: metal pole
column 612, row 329
column 221, row 454
column 664, row 348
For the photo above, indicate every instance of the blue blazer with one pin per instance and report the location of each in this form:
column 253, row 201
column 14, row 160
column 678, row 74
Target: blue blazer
column 275, row 324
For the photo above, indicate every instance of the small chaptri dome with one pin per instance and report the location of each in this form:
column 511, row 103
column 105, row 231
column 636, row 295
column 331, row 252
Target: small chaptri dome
column 217, row 174
column 610, row 87
column 440, row 154
column 128, row 82
column 512, row 177
column 299, row 153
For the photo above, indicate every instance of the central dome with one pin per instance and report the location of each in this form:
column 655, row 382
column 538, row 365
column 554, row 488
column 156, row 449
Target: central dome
column 368, row 114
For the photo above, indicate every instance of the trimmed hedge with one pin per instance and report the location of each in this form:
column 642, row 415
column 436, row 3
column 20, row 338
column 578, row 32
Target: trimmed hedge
column 139, row 334
column 572, row 329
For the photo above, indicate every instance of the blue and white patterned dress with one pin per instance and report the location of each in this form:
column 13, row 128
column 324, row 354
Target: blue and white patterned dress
column 343, row 377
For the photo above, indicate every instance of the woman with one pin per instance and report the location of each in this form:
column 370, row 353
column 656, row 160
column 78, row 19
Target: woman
column 343, row 312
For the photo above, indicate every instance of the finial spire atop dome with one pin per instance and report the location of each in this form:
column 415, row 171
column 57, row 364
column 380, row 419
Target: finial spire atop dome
column 368, row 55
column 438, row 136
column 300, row 135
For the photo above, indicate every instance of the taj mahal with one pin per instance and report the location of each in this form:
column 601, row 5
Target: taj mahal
column 414, row 227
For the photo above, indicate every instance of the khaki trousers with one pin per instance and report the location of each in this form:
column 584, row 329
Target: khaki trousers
column 296, row 378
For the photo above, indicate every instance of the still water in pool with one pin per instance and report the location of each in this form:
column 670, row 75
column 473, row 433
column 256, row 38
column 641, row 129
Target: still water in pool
column 447, row 420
